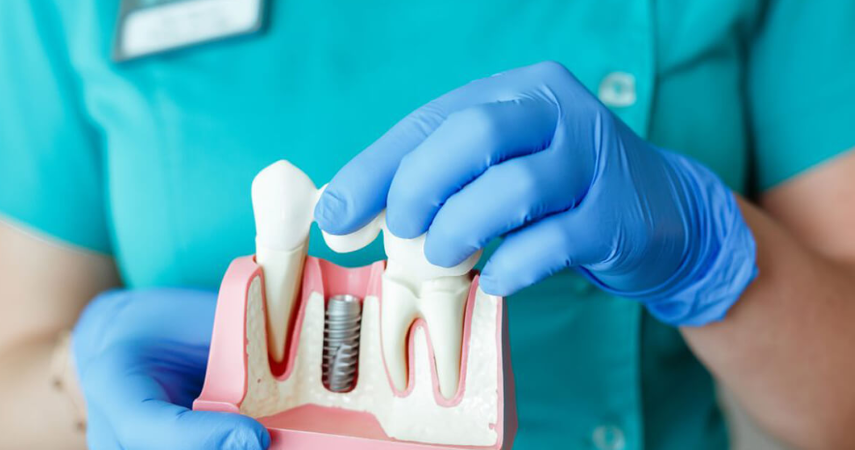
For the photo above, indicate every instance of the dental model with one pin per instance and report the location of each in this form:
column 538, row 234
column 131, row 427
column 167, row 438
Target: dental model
column 283, row 199
column 414, row 288
column 397, row 355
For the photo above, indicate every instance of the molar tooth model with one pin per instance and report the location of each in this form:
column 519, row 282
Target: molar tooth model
column 401, row 355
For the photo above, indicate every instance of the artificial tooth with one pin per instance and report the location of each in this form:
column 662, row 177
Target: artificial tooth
column 283, row 200
column 443, row 305
column 413, row 288
column 398, row 310
column 354, row 241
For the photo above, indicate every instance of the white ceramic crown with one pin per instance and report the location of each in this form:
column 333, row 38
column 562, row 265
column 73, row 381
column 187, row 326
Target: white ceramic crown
column 283, row 200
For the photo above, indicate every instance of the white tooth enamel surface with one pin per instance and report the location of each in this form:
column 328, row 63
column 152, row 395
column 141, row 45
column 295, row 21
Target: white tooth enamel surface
column 416, row 417
column 354, row 241
column 413, row 288
column 409, row 255
column 283, row 201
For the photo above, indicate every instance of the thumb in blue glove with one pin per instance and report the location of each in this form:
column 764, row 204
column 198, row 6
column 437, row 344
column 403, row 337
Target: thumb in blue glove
column 532, row 156
column 141, row 359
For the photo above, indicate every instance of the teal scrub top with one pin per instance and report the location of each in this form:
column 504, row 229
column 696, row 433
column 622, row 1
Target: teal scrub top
column 151, row 161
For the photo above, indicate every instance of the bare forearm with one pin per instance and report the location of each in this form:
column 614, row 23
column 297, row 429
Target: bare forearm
column 43, row 286
column 786, row 348
column 34, row 411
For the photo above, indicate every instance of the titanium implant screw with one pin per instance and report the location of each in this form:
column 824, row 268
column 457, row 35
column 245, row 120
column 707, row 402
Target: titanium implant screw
column 341, row 342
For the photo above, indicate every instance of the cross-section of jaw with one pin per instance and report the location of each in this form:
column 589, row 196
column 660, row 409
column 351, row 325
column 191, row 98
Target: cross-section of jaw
column 414, row 288
column 254, row 314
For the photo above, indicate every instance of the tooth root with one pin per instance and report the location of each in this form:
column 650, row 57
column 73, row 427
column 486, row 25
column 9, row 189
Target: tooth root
column 282, row 275
column 443, row 306
column 414, row 287
column 283, row 201
column 397, row 313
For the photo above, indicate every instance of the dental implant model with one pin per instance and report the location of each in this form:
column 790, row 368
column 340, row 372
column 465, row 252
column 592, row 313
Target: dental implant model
column 283, row 199
column 416, row 289
column 341, row 342
column 399, row 354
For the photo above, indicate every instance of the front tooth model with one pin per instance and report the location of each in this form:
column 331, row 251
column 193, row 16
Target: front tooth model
column 413, row 288
column 283, row 199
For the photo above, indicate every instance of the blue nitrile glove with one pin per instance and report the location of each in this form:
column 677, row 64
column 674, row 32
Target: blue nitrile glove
column 141, row 358
column 531, row 155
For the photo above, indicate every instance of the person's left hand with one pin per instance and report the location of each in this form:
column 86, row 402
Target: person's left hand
column 531, row 155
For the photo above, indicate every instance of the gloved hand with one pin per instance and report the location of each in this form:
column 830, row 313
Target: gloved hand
column 533, row 156
column 141, row 358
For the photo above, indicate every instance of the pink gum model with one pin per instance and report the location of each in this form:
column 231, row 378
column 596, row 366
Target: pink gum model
column 314, row 427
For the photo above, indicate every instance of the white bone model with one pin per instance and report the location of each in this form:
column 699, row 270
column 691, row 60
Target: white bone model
column 283, row 200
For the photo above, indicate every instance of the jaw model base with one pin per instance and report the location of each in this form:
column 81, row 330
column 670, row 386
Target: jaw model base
column 291, row 401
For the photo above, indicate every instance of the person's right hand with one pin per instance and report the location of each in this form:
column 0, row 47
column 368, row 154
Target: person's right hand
column 141, row 359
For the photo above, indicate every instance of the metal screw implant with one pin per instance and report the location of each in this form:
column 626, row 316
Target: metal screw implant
column 341, row 342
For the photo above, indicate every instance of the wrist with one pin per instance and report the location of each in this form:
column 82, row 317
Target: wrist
column 718, row 279
column 713, row 258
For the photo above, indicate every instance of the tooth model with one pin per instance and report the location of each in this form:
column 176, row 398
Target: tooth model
column 414, row 288
column 283, row 198
column 432, row 363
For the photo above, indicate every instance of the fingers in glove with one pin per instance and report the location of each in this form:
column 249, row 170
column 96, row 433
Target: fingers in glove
column 359, row 191
column 466, row 145
column 539, row 250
